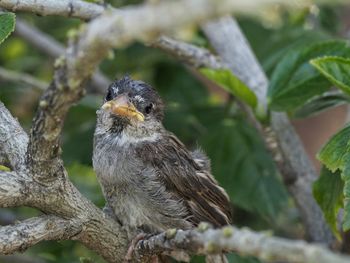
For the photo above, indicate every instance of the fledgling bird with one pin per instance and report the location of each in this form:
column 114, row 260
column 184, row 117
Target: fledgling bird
column 150, row 181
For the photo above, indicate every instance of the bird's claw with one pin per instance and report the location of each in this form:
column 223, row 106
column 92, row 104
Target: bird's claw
column 134, row 241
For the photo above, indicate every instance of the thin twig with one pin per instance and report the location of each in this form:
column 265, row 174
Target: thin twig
column 54, row 49
column 187, row 53
column 10, row 75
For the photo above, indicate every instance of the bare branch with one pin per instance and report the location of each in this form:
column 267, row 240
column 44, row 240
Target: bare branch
column 241, row 241
column 76, row 8
column 87, row 11
column 21, row 259
column 295, row 166
column 20, row 236
column 55, row 49
column 23, row 78
column 94, row 229
column 190, row 54
column 13, row 140
column 12, row 189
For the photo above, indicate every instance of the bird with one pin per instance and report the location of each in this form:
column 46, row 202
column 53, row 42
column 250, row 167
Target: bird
column 150, row 180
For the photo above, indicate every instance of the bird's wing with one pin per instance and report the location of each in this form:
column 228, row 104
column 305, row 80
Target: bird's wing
column 186, row 179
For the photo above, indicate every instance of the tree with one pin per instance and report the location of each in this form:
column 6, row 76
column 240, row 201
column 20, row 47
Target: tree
column 37, row 177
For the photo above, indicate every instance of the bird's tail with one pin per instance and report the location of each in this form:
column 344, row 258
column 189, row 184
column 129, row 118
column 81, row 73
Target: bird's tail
column 220, row 258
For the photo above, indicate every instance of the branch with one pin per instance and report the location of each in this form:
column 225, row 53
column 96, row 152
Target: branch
column 113, row 29
column 187, row 53
column 62, row 200
column 13, row 140
column 53, row 48
column 9, row 75
column 295, row 165
column 87, row 11
column 13, row 189
column 241, row 241
column 21, row 259
column 20, row 236
column 76, row 8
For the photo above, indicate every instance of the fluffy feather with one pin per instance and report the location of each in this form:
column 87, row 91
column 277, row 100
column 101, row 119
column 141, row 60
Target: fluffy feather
column 150, row 180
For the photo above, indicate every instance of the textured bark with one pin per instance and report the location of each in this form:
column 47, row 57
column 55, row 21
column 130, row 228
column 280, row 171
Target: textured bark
column 13, row 140
column 244, row 241
column 22, row 235
column 69, row 8
column 13, row 189
column 81, row 219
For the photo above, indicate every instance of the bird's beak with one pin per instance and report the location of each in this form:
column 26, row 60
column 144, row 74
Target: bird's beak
column 122, row 106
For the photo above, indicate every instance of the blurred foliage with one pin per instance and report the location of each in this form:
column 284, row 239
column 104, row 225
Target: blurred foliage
column 198, row 112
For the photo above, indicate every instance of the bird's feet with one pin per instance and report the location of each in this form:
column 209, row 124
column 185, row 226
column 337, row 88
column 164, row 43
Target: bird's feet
column 132, row 246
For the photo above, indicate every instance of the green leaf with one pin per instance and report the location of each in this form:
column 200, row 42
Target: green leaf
column 7, row 25
column 328, row 192
column 242, row 165
column 4, row 168
column 295, row 80
column 320, row 103
column 336, row 155
column 226, row 80
column 332, row 154
column 336, row 70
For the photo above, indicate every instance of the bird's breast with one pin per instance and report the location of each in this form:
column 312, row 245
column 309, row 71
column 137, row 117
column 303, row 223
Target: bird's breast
column 114, row 163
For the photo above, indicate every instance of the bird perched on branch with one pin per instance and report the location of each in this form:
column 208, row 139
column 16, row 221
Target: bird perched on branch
column 151, row 182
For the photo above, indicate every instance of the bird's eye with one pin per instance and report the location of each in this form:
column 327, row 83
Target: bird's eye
column 149, row 108
column 109, row 95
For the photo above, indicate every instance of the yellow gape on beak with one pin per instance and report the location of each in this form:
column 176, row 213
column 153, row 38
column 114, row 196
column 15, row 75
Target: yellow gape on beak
column 123, row 107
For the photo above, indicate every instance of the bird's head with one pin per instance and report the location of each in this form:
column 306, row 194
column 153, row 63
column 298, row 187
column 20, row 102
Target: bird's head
column 131, row 104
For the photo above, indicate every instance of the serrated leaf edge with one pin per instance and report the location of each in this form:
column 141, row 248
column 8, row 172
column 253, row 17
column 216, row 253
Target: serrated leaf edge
column 13, row 28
